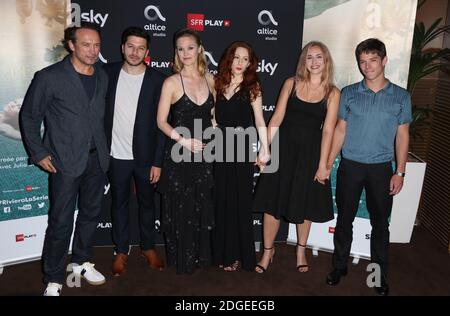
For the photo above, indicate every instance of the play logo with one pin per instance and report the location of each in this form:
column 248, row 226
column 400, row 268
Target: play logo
column 104, row 225
column 22, row 237
column 268, row 108
column 28, row 188
column 331, row 230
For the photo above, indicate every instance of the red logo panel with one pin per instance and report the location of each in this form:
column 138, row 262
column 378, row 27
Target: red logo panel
column 195, row 21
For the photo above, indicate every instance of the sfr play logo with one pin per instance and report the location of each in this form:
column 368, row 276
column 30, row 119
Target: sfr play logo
column 22, row 237
column 197, row 22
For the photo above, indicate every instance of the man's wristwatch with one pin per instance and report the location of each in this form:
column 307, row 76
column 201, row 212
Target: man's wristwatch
column 400, row 174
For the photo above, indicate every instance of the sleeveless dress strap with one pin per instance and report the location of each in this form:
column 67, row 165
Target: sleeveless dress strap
column 293, row 88
column 182, row 84
column 207, row 84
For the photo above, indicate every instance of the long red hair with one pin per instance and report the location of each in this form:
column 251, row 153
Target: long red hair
column 250, row 81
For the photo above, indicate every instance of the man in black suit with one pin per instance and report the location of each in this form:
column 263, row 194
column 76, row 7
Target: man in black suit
column 70, row 97
column 135, row 144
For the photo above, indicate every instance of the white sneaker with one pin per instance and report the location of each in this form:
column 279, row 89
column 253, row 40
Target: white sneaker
column 53, row 289
column 89, row 273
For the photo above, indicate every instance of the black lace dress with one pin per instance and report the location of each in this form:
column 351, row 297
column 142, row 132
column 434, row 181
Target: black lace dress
column 187, row 215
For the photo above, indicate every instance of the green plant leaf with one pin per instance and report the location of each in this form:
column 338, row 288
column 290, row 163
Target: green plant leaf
column 423, row 62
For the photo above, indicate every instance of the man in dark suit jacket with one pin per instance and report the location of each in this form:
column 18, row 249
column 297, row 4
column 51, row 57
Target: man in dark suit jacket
column 135, row 144
column 70, row 97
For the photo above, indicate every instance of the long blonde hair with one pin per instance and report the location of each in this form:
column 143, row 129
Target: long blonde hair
column 201, row 59
column 302, row 74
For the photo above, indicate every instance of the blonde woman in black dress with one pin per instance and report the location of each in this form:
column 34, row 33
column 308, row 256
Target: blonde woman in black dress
column 187, row 215
column 304, row 118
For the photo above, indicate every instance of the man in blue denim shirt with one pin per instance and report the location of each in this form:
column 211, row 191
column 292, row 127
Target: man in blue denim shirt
column 374, row 117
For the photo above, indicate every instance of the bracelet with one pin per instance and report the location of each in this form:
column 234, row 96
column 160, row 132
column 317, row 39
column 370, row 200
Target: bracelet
column 400, row 174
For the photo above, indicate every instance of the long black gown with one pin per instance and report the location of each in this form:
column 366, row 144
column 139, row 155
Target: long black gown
column 233, row 234
column 187, row 194
column 291, row 192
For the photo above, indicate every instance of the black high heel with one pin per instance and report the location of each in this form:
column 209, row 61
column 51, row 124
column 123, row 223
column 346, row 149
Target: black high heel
column 302, row 265
column 261, row 268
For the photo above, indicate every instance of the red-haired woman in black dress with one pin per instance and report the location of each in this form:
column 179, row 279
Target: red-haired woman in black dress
column 238, row 111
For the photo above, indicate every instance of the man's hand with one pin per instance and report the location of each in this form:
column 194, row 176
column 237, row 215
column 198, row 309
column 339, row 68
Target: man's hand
column 47, row 165
column 155, row 174
column 396, row 184
column 322, row 175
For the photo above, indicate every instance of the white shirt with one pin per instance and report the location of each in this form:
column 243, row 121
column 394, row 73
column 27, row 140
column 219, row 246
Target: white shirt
column 127, row 96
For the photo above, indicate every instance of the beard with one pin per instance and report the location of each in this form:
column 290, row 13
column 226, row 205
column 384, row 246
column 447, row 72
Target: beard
column 135, row 62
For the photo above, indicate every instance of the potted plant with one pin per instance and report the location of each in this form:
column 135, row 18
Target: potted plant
column 425, row 61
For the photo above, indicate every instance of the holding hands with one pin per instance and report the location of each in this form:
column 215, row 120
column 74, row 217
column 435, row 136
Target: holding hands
column 322, row 174
column 262, row 159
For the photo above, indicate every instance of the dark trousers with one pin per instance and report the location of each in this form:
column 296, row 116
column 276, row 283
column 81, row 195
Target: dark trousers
column 352, row 177
column 64, row 190
column 120, row 174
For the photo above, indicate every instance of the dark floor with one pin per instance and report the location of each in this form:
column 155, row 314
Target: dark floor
column 419, row 268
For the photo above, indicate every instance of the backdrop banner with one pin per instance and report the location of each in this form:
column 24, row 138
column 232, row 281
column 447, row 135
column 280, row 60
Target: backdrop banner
column 31, row 32
column 273, row 30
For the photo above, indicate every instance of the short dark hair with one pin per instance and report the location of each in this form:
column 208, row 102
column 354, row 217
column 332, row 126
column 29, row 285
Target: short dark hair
column 70, row 33
column 135, row 31
column 370, row 45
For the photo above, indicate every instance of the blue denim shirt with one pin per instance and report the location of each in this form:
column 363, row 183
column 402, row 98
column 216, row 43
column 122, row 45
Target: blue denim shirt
column 372, row 121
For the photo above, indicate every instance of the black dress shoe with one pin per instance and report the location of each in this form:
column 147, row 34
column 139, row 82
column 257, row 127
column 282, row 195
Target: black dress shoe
column 334, row 276
column 383, row 289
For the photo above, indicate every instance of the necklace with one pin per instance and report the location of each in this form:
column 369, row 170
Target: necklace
column 313, row 88
column 311, row 93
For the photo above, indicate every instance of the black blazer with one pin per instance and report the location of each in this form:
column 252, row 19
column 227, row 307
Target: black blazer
column 148, row 140
column 57, row 96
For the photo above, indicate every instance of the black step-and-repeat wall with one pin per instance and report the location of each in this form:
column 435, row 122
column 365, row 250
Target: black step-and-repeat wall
column 273, row 29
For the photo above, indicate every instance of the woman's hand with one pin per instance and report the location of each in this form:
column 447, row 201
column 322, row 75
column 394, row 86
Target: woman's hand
column 192, row 144
column 262, row 159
